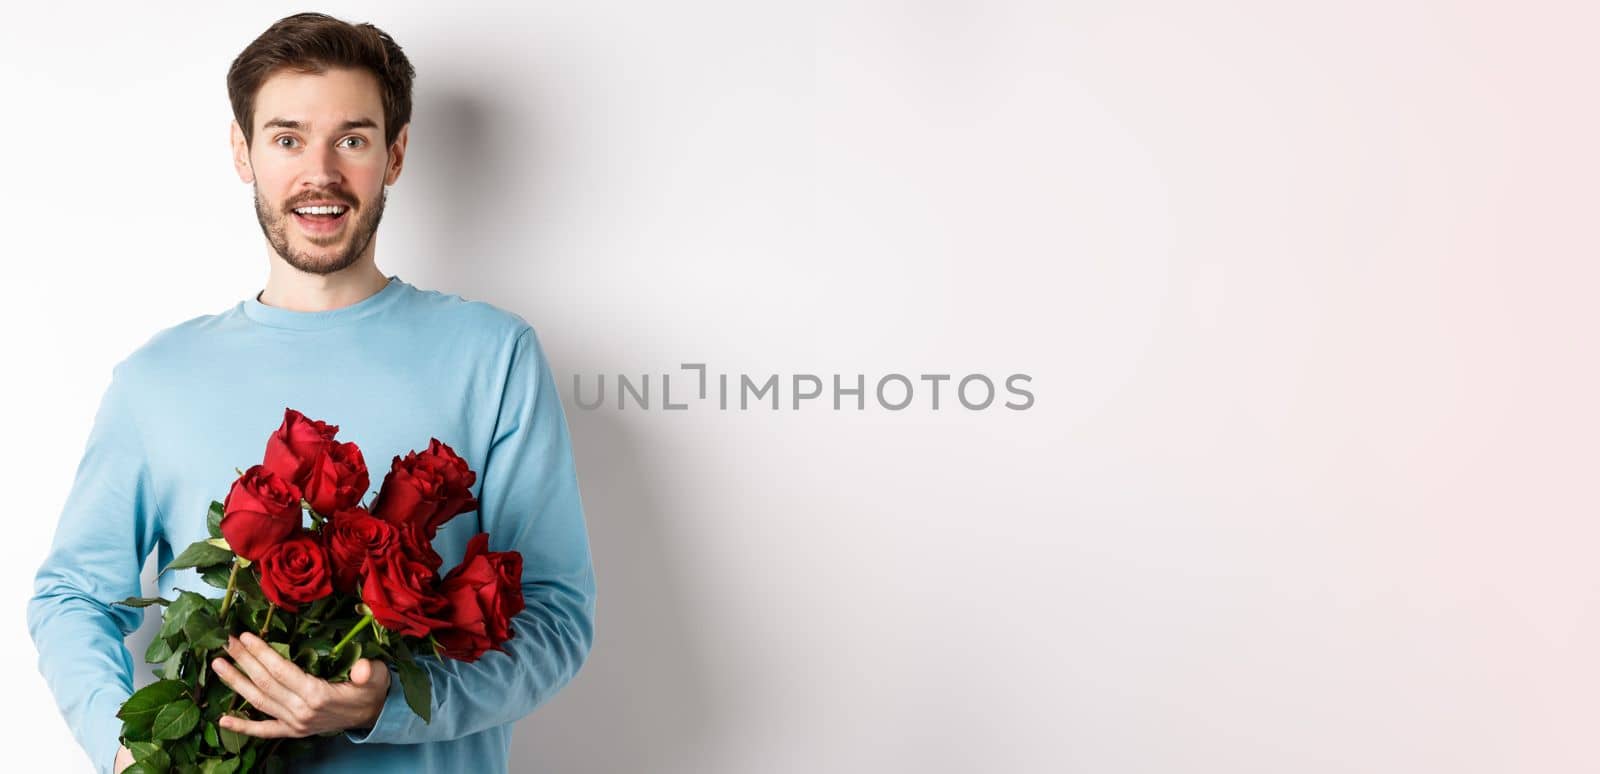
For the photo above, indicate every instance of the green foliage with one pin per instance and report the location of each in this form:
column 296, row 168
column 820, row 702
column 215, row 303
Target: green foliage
column 140, row 710
column 143, row 601
column 201, row 555
column 214, row 519
column 175, row 720
column 178, row 613
column 415, row 683
column 171, row 725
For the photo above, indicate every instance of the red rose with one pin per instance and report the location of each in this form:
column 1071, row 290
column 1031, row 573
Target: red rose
column 296, row 444
column 484, row 592
column 260, row 511
column 426, row 489
column 295, row 572
column 418, row 547
column 336, row 478
column 403, row 595
column 353, row 536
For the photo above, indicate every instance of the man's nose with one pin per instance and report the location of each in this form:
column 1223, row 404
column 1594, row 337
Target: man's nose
column 322, row 167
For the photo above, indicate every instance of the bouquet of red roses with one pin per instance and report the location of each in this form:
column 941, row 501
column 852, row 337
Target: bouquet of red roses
column 360, row 581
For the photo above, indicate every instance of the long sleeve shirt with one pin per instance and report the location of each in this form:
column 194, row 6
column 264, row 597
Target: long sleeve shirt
column 392, row 371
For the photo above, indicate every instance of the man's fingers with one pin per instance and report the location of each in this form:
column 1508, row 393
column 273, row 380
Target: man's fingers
column 242, row 685
column 264, row 729
column 245, row 659
column 282, row 670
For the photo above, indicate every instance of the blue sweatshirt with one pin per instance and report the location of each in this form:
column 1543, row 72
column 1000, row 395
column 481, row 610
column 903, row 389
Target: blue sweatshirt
column 391, row 371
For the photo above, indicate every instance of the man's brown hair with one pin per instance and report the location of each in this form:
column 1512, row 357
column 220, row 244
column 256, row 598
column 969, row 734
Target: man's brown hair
column 314, row 43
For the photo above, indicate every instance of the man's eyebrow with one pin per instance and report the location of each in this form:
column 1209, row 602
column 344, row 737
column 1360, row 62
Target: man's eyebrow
column 357, row 123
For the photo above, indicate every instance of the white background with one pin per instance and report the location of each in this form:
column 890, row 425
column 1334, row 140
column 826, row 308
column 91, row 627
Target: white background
column 1306, row 291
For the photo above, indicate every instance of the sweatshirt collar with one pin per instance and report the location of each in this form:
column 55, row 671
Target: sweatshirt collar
column 279, row 317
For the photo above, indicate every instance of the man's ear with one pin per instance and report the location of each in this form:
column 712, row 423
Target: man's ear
column 397, row 155
column 241, row 153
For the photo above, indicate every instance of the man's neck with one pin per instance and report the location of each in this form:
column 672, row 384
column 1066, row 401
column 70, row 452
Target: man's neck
column 298, row 291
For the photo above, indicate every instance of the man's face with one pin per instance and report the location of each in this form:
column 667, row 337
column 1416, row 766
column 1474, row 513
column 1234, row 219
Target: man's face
column 319, row 139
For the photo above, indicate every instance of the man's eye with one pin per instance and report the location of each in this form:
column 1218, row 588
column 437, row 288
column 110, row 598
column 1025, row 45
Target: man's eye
column 357, row 139
column 281, row 139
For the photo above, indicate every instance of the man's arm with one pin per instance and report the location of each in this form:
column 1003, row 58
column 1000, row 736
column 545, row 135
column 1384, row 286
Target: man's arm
column 107, row 528
column 529, row 503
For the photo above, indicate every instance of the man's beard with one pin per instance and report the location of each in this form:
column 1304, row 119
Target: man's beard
column 357, row 234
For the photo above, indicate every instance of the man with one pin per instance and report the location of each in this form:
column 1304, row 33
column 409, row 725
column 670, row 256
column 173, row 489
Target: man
column 321, row 110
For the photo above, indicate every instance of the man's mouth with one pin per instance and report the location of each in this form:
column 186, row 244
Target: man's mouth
column 321, row 219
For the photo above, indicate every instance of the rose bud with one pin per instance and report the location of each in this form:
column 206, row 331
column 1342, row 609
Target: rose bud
column 353, row 536
column 261, row 510
column 296, row 444
column 336, row 478
column 403, row 595
column 426, row 489
column 295, row 572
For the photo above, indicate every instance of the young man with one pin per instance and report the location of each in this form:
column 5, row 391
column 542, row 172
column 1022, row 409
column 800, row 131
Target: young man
column 322, row 110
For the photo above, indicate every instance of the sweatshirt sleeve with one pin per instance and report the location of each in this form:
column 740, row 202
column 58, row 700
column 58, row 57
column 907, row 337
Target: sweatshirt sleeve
column 529, row 503
column 107, row 528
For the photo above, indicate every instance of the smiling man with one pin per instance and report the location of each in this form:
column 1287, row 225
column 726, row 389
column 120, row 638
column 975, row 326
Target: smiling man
column 321, row 177
column 321, row 113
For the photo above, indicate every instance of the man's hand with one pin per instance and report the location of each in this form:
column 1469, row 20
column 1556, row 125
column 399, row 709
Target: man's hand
column 300, row 704
column 124, row 760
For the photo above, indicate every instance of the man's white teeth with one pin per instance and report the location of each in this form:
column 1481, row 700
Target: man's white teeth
column 331, row 209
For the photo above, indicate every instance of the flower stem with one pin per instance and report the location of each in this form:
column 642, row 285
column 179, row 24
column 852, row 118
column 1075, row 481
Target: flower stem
column 227, row 596
column 366, row 620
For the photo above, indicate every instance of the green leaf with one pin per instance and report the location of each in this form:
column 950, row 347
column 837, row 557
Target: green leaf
column 187, row 750
column 175, row 720
column 150, row 755
column 281, row 647
column 201, row 554
column 217, row 577
column 220, row 766
column 143, row 601
column 172, row 668
column 319, row 609
column 210, row 734
column 233, row 741
column 179, row 611
column 140, row 768
column 248, row 586
column 307, row 657
column 183, row 754
column 141, row 708
column 214, row 519
column 418, row 689
column 204, row 631
column 158, row 651
column 217, row 696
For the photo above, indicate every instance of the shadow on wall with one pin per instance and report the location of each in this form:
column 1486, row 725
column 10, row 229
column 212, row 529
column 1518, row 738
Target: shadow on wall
column 642, row 702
